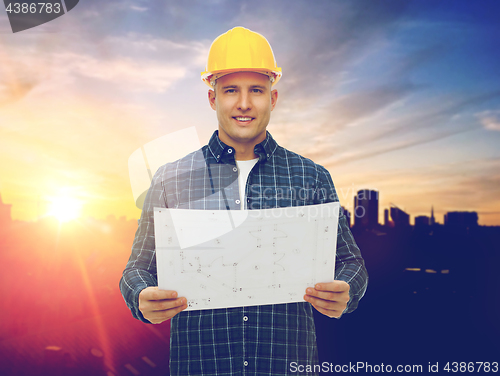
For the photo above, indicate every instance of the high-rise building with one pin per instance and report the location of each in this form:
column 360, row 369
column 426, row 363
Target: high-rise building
column 387, row 219
column 465, row 219
column 433, row 220
column 399, row 217
column 366, row 208
column 422, row 220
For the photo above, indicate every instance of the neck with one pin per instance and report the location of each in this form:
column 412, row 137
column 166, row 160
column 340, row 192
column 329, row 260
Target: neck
column 244, row 153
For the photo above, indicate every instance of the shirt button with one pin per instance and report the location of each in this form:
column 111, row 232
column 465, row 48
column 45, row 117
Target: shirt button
column 229, row 151
column 218, row 156
column 245, row 363
column 235, row 169
column 237, row 202
column 268, row 155
column 245, row 318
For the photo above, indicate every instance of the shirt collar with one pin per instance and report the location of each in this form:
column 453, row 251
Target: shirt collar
column 264, row 150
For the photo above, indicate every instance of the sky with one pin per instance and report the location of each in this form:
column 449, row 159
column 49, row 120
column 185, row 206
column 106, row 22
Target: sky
column 400, row 96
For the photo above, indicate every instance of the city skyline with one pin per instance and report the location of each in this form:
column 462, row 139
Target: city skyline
column 63, row 216
column 367, row 201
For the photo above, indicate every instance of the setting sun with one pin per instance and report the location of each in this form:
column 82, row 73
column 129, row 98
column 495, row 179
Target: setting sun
column 65, row 208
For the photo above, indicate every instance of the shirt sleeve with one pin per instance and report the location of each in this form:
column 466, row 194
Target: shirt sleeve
column 140, row 271
column 349, row 264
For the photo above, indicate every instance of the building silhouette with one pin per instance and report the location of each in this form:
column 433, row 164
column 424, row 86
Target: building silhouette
column 422, row 220
column 399, row 217
column 463, row 219
column 387, row 219
column 366, row 208
column 432, row 220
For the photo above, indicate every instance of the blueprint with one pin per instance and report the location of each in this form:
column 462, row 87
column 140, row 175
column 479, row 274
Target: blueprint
column 230, row 258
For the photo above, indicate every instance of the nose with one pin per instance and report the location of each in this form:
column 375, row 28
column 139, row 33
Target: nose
column 244, row 102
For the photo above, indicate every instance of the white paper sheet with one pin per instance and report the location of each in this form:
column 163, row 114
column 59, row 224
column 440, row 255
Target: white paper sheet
column 231, row 258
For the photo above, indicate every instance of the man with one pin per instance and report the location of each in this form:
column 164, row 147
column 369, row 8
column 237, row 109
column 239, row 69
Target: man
column 242, row 167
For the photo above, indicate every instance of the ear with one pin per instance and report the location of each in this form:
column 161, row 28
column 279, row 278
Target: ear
column 211, row 99
column 274, row 98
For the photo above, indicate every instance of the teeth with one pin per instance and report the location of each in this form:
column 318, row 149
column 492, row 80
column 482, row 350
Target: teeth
column 243, row 118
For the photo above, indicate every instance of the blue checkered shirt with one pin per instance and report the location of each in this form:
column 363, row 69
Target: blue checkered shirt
column 254, row 340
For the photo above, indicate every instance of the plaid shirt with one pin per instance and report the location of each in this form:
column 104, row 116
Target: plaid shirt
column 254, row 340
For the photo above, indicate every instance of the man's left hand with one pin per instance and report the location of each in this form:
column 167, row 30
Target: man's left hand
column 329, row 298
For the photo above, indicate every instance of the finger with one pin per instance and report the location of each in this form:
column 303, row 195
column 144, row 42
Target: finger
column 341, row 297
column 326, row 304
column 161, row 316
column 157, row 317
column 154, row 293
column 322, row 295
column 163, row 305
column 147, row 305
column 335, row 286
column 336, row 297
column 160, row 305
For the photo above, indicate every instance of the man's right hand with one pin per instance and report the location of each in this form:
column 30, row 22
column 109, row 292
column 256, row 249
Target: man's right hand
column 160, row 305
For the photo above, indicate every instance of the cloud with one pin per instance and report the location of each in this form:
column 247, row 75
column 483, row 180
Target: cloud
column 432, row 118
column 382, row 126
column 133, row 63
column 349, row 108
column 348, row 157
column 346, row 69
column 141, row 62
column 17, row 79
column 318, row 49
column 325, row 123
column 490, row 120
column 139, row 9
column 129, row 74
column 16, row 88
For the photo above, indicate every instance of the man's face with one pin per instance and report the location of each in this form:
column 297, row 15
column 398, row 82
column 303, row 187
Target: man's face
column 243, row 102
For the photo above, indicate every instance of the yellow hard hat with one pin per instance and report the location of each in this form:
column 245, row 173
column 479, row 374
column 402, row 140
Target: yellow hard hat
column 240, row 50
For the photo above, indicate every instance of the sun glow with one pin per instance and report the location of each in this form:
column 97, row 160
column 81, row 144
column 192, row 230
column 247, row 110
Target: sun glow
column 65, row 208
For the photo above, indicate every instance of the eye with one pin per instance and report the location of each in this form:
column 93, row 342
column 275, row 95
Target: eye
column 257, row 91
column 230, row 91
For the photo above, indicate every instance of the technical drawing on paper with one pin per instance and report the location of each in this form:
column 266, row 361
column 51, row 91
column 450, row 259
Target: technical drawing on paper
column 270, row 256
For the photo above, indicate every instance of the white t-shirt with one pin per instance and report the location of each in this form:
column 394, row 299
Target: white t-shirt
column 244, row 168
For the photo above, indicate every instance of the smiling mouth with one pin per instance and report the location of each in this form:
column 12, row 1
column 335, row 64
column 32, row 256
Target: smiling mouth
column 243, row 119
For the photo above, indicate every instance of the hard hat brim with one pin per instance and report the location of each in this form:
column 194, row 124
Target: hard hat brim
column 207, row 77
